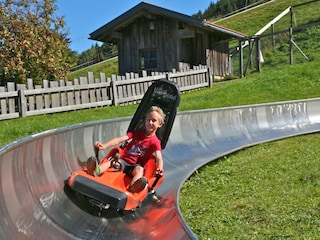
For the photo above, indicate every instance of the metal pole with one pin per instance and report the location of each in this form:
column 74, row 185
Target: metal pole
column 290, row 34
column 258, row 62
column 240, row 59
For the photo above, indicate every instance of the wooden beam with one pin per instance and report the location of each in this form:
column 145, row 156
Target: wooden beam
column 116, row 35
column 186, row 33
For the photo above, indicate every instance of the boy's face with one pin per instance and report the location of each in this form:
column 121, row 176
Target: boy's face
column 153, row 122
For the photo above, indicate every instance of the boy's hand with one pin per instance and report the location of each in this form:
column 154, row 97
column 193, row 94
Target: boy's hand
column 98, row 145
column 158, row 172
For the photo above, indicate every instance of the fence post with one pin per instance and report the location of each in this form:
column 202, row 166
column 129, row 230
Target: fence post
column 209, row 77
column 11, row 102
column 114, row 90
column 167, row 76
column 22, row 103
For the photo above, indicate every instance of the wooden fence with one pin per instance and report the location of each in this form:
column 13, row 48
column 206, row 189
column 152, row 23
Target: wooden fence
column 19, row 100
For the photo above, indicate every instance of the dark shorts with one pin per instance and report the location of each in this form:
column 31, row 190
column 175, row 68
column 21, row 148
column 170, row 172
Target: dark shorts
column 128, row 168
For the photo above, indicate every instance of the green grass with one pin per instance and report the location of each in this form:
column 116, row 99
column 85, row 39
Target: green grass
column 250, row 22
column 13, row 129
column 277, row 84
column 270, row 191
column 108, row 67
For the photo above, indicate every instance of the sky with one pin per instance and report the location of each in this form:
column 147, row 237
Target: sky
column 83, row 17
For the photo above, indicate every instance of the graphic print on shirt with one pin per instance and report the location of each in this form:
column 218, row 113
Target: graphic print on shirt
column 138, row 149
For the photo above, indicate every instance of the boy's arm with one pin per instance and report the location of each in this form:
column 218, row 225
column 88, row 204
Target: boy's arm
column 159, row 160
column 111, row 142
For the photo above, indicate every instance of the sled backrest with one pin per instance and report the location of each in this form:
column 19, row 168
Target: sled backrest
column 166, row 95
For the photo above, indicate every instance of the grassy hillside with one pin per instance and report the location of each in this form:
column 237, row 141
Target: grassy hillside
column 107, row 67
column 252, row 21
column 276, row 50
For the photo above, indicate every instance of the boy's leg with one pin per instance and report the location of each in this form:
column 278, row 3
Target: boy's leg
column 102, row 167
column 91, row 165
column 137, row 173
column 94, row 169
column 139, row 182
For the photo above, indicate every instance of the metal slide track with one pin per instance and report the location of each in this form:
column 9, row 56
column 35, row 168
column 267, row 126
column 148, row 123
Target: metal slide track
column 34, row 203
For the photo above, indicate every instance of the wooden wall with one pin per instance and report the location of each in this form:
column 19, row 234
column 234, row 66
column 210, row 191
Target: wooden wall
column 178, row 45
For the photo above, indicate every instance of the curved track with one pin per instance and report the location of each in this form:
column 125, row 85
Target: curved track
column 35, row 204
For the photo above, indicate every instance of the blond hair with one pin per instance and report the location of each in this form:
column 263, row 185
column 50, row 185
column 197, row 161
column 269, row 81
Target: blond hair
column 160, row 112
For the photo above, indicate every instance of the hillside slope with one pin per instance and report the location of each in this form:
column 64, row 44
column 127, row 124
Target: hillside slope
column 276, row 50
column 251, row 21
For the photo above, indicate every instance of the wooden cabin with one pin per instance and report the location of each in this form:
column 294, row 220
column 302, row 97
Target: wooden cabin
column 152, row 38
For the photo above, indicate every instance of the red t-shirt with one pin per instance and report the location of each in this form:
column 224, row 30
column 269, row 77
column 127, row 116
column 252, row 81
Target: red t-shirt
column 141, row 147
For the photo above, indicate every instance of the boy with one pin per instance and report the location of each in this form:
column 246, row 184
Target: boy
column 138, row 151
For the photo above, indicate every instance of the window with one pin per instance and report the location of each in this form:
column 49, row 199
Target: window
column 148, row 59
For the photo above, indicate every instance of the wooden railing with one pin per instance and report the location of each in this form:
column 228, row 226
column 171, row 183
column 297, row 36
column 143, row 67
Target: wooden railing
column 88, row 92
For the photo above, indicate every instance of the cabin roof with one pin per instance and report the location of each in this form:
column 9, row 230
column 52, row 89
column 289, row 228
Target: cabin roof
column 144, row 8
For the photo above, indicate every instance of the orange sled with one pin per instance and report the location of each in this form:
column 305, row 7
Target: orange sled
column 110, row 188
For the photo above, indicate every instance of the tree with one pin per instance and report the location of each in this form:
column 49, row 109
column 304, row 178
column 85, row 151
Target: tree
column 227, row 7
column 198, row 14
column 97, row 53
column 33, row 41
column 222, row 7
